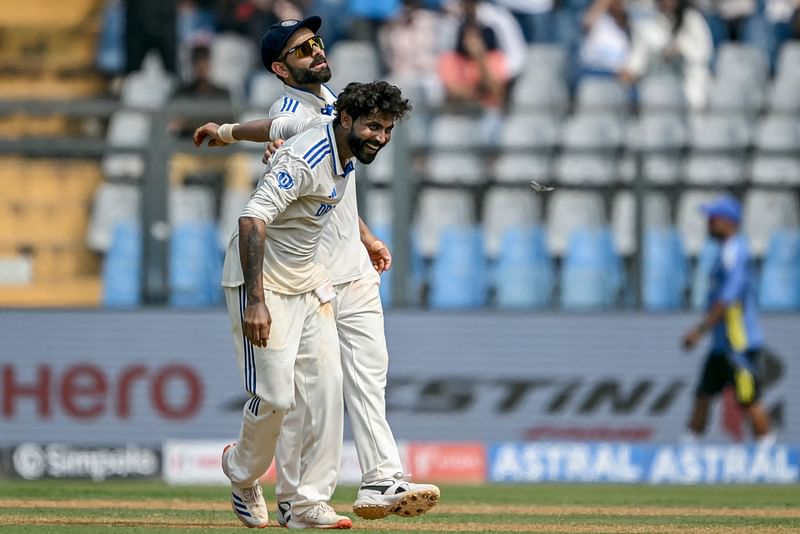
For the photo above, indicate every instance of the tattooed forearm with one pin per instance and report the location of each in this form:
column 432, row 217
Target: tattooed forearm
column 252, row 233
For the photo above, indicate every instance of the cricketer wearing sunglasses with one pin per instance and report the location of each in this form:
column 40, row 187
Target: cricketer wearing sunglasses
column 353, row 258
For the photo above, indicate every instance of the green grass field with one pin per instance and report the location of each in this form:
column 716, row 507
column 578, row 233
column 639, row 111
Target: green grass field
column 150, row 507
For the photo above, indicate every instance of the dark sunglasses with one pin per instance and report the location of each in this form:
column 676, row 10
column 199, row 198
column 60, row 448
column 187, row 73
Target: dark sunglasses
column 305, row 49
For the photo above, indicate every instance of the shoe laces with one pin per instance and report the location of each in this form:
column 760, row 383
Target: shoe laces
column 252, row 493
column 319, row 510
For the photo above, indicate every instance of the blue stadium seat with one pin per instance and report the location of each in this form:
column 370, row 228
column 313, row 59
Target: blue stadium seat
column 591, row 275
column 122, row 268
column 195, row 266
column 459, row 277
column 700, row 280
column 523, row 277
column 664, row 273
column 780, row 280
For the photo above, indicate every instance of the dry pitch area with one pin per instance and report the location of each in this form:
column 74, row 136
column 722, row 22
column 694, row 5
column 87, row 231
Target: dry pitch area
column 150, row 507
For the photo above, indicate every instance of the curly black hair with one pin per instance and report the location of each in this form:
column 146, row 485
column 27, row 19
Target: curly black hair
column 360, row 99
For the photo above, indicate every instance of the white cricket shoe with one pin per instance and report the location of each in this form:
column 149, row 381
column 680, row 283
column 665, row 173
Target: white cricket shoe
column 247, row 502
column 284, row 512
column 378, row 499
column 319, row 516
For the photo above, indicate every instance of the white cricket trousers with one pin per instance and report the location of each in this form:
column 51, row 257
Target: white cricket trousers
column 364, row 364
column 300, row 365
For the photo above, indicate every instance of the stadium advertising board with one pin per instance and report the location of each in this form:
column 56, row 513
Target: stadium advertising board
column 198, row 462
column 32, row 461
column 629, row 463
column 149, row 376
column 519, row 377
column 462, row 463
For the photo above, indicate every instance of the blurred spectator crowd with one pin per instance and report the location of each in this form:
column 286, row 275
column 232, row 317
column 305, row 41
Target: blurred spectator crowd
column 458, row 38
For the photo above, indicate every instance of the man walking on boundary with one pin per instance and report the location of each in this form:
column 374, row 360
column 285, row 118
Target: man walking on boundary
column 737, row 340
column 293, row 51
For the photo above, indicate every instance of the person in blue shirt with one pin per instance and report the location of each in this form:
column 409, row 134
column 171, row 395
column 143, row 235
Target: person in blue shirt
column 731, row 317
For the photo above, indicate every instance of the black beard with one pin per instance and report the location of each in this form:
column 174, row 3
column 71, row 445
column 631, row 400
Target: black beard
column 307, row 76
column 357, row 147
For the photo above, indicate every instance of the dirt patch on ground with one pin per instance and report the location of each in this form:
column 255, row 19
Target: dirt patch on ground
column 567, row 528
column 622, row 511
column 409, row 526
column 176, row 505
column 120, row 523
column 486, row 509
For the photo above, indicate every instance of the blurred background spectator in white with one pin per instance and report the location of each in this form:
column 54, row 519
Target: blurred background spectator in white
column 607, row 43
column 676, row 39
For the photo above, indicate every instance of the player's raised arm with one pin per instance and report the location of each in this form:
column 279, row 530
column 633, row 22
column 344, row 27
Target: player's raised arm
column 286, row 127
column 256, row 131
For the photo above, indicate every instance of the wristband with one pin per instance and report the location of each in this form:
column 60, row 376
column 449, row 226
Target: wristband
column 225, row 133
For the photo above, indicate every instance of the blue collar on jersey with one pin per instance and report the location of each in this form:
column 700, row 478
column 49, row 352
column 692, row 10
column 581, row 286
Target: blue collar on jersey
column 338, row 168
column 304, row 90
column 326, row 109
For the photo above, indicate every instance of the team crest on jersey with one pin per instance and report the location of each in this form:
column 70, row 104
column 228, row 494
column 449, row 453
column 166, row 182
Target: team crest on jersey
column 285, row 181
column 333, row 193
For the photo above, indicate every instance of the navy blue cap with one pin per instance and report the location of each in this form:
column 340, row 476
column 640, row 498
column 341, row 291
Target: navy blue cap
column 725, row 206
column 278, row 35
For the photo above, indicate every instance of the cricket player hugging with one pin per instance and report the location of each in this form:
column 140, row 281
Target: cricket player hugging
column 279, row 299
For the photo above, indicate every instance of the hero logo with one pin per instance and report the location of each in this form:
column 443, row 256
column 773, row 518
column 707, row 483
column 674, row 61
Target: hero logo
column 85, row 391
column 285, row 181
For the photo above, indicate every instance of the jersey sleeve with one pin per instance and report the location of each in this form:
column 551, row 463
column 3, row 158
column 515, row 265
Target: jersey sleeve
column 286, row 106
column 287, row 126
column 286, row 181
column 734, row 263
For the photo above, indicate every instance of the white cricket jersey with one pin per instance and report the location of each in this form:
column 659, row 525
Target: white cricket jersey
column 341, row 251
column 295, row 198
